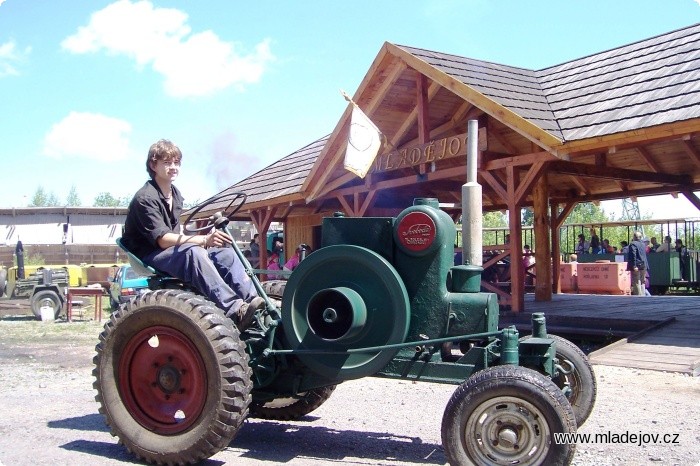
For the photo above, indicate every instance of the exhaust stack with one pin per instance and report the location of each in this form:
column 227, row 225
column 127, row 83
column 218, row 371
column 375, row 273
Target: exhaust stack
column 472, row 218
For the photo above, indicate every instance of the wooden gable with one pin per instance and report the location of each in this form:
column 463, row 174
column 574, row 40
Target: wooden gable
column 617, row 124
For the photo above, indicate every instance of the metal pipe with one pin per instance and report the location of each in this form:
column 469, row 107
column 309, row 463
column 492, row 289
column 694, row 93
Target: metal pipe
column 472, row 219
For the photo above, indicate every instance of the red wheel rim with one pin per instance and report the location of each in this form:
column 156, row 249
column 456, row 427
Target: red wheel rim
column 162, row 380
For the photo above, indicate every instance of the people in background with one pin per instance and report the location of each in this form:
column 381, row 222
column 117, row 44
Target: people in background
column 607, row 247
column 581, row 245
column 679, row 246
column 528, row 262
column 647, row 248
column 624, row 247
column 277, row 245
column 273, row 263
column 299, row 254
column 254, row 251
column 653, row 244
column 595, row 242
column 682, row 253
column 666, row 246
column 637, row 264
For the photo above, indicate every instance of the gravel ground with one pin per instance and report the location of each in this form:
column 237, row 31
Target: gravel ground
column 49, row 416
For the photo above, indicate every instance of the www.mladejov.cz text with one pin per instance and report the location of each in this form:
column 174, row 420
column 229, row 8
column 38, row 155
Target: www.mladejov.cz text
column 629, row 438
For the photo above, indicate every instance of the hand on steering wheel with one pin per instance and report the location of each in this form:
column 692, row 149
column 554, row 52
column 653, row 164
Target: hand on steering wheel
column 228, row 203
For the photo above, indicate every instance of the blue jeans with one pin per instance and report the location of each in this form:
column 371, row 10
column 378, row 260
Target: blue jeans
column 215, row 272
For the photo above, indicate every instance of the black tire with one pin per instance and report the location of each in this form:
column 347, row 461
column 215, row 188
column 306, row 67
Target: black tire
column 3, row 281
column 579, row 384
column 292, row 408
column 507, row 415
column 288, row 408
column 576, row 377
column 274, row 288
column 46, row 298
column 172, row 377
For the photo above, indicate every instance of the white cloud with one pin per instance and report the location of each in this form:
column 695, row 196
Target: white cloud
column 192, row 64
column 90, row 136
column 9, row 56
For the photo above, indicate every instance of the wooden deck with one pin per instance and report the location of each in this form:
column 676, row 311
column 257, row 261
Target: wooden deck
column 657, row 332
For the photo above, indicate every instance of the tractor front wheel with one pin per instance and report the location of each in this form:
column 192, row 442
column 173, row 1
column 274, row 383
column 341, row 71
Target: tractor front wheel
column 172, row 377
column 507, row 415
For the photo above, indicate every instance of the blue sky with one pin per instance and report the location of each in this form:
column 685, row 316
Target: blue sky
column 87, row 86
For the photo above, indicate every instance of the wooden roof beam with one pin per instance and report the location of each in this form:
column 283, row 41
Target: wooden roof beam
column 692, row 152
column 692, row 198
column 502, row 141
column 524, row 159
column 413, row 116
column 608, row 196
column 622, row 174
column 495, row 184
column 648, row 159
column 338, row 149
column 437, row 132
column 423, row 110
column 532, row 175
column 579, row 184
column 460, row 172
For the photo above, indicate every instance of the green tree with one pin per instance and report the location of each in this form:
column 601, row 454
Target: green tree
column 73, row 200
column 585, row 216
column 105, row 199
column 494, row 224
column 43, row 199
column 587, row 213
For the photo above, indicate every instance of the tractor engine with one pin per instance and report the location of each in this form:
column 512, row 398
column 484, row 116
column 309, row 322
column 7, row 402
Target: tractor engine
column 382, row 281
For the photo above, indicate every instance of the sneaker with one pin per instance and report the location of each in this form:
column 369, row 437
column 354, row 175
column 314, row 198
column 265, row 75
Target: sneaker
column 247, row 311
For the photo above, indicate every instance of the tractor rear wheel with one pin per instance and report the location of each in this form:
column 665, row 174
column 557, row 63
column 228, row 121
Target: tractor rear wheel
column 292, row 408
column 507, row 415
column 172, row 377
column 46, row 298
column 578, row 380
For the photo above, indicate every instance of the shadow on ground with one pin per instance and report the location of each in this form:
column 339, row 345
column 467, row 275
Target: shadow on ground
column 278, row 442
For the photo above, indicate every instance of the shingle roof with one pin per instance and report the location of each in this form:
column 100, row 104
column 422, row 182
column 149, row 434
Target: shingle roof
column 647, row 83
column 282, row 178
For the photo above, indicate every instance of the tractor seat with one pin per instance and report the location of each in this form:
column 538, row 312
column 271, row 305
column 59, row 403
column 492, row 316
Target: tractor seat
column 157, row 279
column 138, row 265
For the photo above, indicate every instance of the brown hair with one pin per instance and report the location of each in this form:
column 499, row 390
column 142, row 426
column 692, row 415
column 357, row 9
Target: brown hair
column 162, row 150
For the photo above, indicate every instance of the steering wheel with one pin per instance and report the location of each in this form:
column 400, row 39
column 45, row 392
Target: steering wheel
column 232, row 203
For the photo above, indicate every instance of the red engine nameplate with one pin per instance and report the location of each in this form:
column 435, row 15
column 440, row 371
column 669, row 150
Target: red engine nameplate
column 416, row 231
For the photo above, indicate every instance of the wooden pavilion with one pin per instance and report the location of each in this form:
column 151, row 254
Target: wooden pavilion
column 621, row 123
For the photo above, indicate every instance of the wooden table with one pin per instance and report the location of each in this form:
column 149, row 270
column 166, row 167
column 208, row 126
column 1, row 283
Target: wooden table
column 96, row 292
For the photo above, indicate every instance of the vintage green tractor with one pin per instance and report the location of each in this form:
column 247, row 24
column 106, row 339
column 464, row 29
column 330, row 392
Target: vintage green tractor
column 382, row 297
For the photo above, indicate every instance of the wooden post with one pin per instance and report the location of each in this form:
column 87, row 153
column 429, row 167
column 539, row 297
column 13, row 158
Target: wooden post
column 517, row 285
column 517, row 277
column 543, row 253
column 556, row 249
